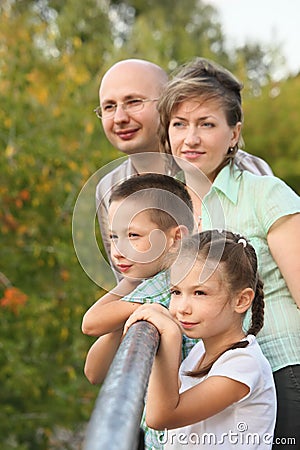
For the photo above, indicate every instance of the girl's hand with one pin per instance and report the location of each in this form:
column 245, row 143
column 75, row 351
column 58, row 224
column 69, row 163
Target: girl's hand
column 156, row 314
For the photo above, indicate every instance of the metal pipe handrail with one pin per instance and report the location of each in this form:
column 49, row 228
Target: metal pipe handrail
column 115, row 421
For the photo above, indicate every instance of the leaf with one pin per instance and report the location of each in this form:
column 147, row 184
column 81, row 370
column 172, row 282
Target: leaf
column 13, row 299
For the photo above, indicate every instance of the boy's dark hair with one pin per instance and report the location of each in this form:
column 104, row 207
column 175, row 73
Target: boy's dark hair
column 165, row 199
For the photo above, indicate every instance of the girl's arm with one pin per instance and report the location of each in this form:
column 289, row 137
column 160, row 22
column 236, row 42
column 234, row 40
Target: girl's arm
column 169, row 409
column 100, row 356
column 165, row 407
column 284, row 244
column 109, row 313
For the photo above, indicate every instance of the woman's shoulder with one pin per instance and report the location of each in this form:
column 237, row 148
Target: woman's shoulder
column 254, row 177
column 266, row 184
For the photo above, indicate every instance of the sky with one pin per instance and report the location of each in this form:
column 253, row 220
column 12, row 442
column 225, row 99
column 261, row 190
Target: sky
column 265, row 22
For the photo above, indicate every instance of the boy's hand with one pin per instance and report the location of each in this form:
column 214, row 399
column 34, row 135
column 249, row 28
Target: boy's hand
column 156, row 314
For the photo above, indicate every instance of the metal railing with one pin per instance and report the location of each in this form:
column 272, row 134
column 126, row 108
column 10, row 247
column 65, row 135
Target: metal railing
column 115, row 421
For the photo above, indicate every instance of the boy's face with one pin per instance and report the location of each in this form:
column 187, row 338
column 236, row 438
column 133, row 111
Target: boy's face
column 137, row 245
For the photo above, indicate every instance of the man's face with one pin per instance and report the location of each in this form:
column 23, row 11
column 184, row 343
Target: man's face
column 131, row 132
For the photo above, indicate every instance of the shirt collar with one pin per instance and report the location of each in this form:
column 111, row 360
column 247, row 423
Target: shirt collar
column 228, row 182
column 131, row 170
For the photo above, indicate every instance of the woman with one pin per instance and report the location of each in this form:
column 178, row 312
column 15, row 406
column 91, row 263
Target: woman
column 201, row 121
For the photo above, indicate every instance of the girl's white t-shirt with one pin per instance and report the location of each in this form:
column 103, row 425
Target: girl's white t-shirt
column 248, row 423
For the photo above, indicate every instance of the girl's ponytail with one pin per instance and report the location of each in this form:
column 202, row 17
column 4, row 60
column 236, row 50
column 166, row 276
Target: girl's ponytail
column 257, row 309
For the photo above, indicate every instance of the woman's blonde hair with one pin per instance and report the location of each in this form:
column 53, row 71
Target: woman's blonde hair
column 203, row 80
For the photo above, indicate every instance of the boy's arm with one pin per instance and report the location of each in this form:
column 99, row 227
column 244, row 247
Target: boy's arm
column 124, row 287
column 103, row 317
column 107, row 318
column 109, row 314
column 100, row 356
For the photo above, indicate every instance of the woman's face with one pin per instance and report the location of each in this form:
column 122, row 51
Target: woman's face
column 199, row 134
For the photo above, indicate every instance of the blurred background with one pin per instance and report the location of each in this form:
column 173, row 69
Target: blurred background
column 53, row 55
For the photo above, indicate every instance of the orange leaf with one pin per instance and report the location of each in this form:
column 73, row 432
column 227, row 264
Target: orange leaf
column 13, row 299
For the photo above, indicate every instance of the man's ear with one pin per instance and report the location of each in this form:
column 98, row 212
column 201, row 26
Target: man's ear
column 244, row 300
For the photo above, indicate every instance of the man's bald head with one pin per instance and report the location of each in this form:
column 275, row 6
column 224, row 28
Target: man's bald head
column 141, row 68
column 132, row 130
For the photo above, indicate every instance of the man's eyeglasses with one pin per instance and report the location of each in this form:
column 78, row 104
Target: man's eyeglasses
column 131, row 106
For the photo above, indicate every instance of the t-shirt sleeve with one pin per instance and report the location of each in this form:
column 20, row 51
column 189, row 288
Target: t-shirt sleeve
column 275, row 200
column 239, row 365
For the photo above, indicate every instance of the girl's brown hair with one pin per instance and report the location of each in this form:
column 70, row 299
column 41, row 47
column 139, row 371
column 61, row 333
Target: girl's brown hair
column 239, row 261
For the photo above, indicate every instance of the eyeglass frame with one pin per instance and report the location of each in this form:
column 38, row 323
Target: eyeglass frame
column 124, row 106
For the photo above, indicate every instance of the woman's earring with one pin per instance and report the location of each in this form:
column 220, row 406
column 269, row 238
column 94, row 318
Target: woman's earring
column 230, row 150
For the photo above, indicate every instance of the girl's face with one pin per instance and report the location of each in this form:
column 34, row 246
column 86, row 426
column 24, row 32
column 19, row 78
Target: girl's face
column 137, row 244
column 203, row 309
column 199, row 134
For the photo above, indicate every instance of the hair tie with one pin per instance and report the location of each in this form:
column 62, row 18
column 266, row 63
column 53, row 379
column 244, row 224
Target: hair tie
column 243, row 242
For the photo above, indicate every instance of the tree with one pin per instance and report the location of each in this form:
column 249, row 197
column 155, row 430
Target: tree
column 52, row 56
column 44, row 136
column 271, row 128
column 169, row 33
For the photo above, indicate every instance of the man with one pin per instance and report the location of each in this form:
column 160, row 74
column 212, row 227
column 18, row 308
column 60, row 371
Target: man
column 128, row 96
column 131, row 129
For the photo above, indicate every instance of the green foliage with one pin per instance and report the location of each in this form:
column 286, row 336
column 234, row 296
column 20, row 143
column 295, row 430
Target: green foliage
column 271, row 128
column 172, row 32
column 52, row 54
column 50, row 144
column 41, row 372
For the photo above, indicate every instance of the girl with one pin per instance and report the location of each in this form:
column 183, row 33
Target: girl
column 225, row 396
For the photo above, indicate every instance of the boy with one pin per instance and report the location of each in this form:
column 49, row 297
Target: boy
column 148, row 215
